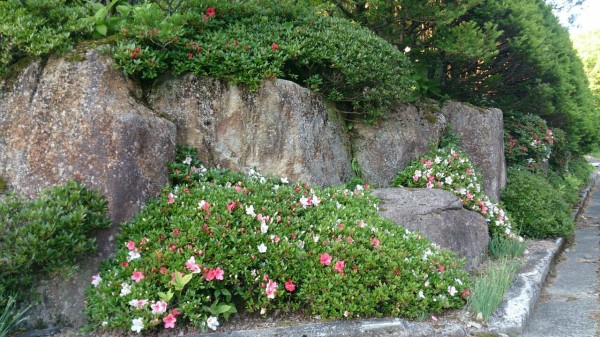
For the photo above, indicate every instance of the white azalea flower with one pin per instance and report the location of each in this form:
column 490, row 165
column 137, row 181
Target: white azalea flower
column 212, row 323
column 96, row 279
column 284, row 180
column 452, row 290
column 421, row 294
column 133, row 255
column 125, row 289
column 188, row 160
column 263, row 227
column 262, row 248
column 137, row 324
column 315, row 200
column 250, row 210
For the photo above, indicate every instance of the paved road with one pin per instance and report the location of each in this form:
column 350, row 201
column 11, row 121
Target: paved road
column 569, row 305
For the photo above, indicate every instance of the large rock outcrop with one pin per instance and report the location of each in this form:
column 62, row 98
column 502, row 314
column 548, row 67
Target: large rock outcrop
column 64, row 120
column 382, row 149
column 481, row 134
column 439, row 216
column 283, row 129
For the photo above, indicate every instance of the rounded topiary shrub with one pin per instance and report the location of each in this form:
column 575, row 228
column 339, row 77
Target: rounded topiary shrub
column 221, row 242
column 538, row 210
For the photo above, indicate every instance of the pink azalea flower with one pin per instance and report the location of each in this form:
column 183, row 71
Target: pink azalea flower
column 138, row 303
column 428, row 163
column 469, row 171
column 375, row 242
column 130, row 245
column 169, row 321
column 209, row 275
column 210, row 11
column 350, row 239
column 325, row 259
column 469, row 196
column 290, row 286
column 159, row 307
column 339, row 267
column 270, row 289
column 231, row 206
column 429, row 184
column 274, row 46
column 191, row 265
column 219, row 273
column 137, row 276
column 171, row 198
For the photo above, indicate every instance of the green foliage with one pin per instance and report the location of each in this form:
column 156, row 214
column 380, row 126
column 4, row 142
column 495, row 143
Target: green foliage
column 10, row 317
column 489, row 289
column 224, row 242
column 452, row 170
column 39, row 27
column 527, row 140
column 569, row 182
column 47, row 233
column 248, row 42
column 538, row 211
column 500, row 247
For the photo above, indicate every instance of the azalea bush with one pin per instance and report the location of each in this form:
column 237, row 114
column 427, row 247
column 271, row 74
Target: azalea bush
column 220, row 242
column 538, row 210
column 46, row 234
column 528, row 141
column 450, row 169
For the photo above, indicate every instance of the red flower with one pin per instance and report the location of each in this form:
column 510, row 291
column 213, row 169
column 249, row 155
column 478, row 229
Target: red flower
column 290, row 286
column 210, row 11
column 274, row 46
column 465, row 293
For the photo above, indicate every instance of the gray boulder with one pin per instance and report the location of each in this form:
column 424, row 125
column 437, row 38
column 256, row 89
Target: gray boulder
column 440, row 217
column 283, row 129
column 382, row 149
column 63, row 120
column 482, row 137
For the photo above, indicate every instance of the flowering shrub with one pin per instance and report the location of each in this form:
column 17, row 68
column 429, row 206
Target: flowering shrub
column 45, row 234
column 224, row 242
column 452, row 170
column 528, row 141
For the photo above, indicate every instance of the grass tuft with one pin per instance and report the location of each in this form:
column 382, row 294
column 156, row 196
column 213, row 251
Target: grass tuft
column 489, row 289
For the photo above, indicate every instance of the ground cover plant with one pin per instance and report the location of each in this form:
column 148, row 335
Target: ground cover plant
column 450, row 169
column 45, row 234
column 220, row 242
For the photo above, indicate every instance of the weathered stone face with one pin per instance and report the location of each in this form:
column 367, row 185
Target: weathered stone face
column 440, row 216
column 481, row 134
column 381, row 150
column 64, row 120
column 283, row 129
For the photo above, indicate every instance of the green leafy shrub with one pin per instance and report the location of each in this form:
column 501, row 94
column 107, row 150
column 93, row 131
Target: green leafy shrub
column 451, row 170
column 528, row 141
column 538, row 211
column 223, row 242
column 248, row 42
column 47, row 233
column 40, row 27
